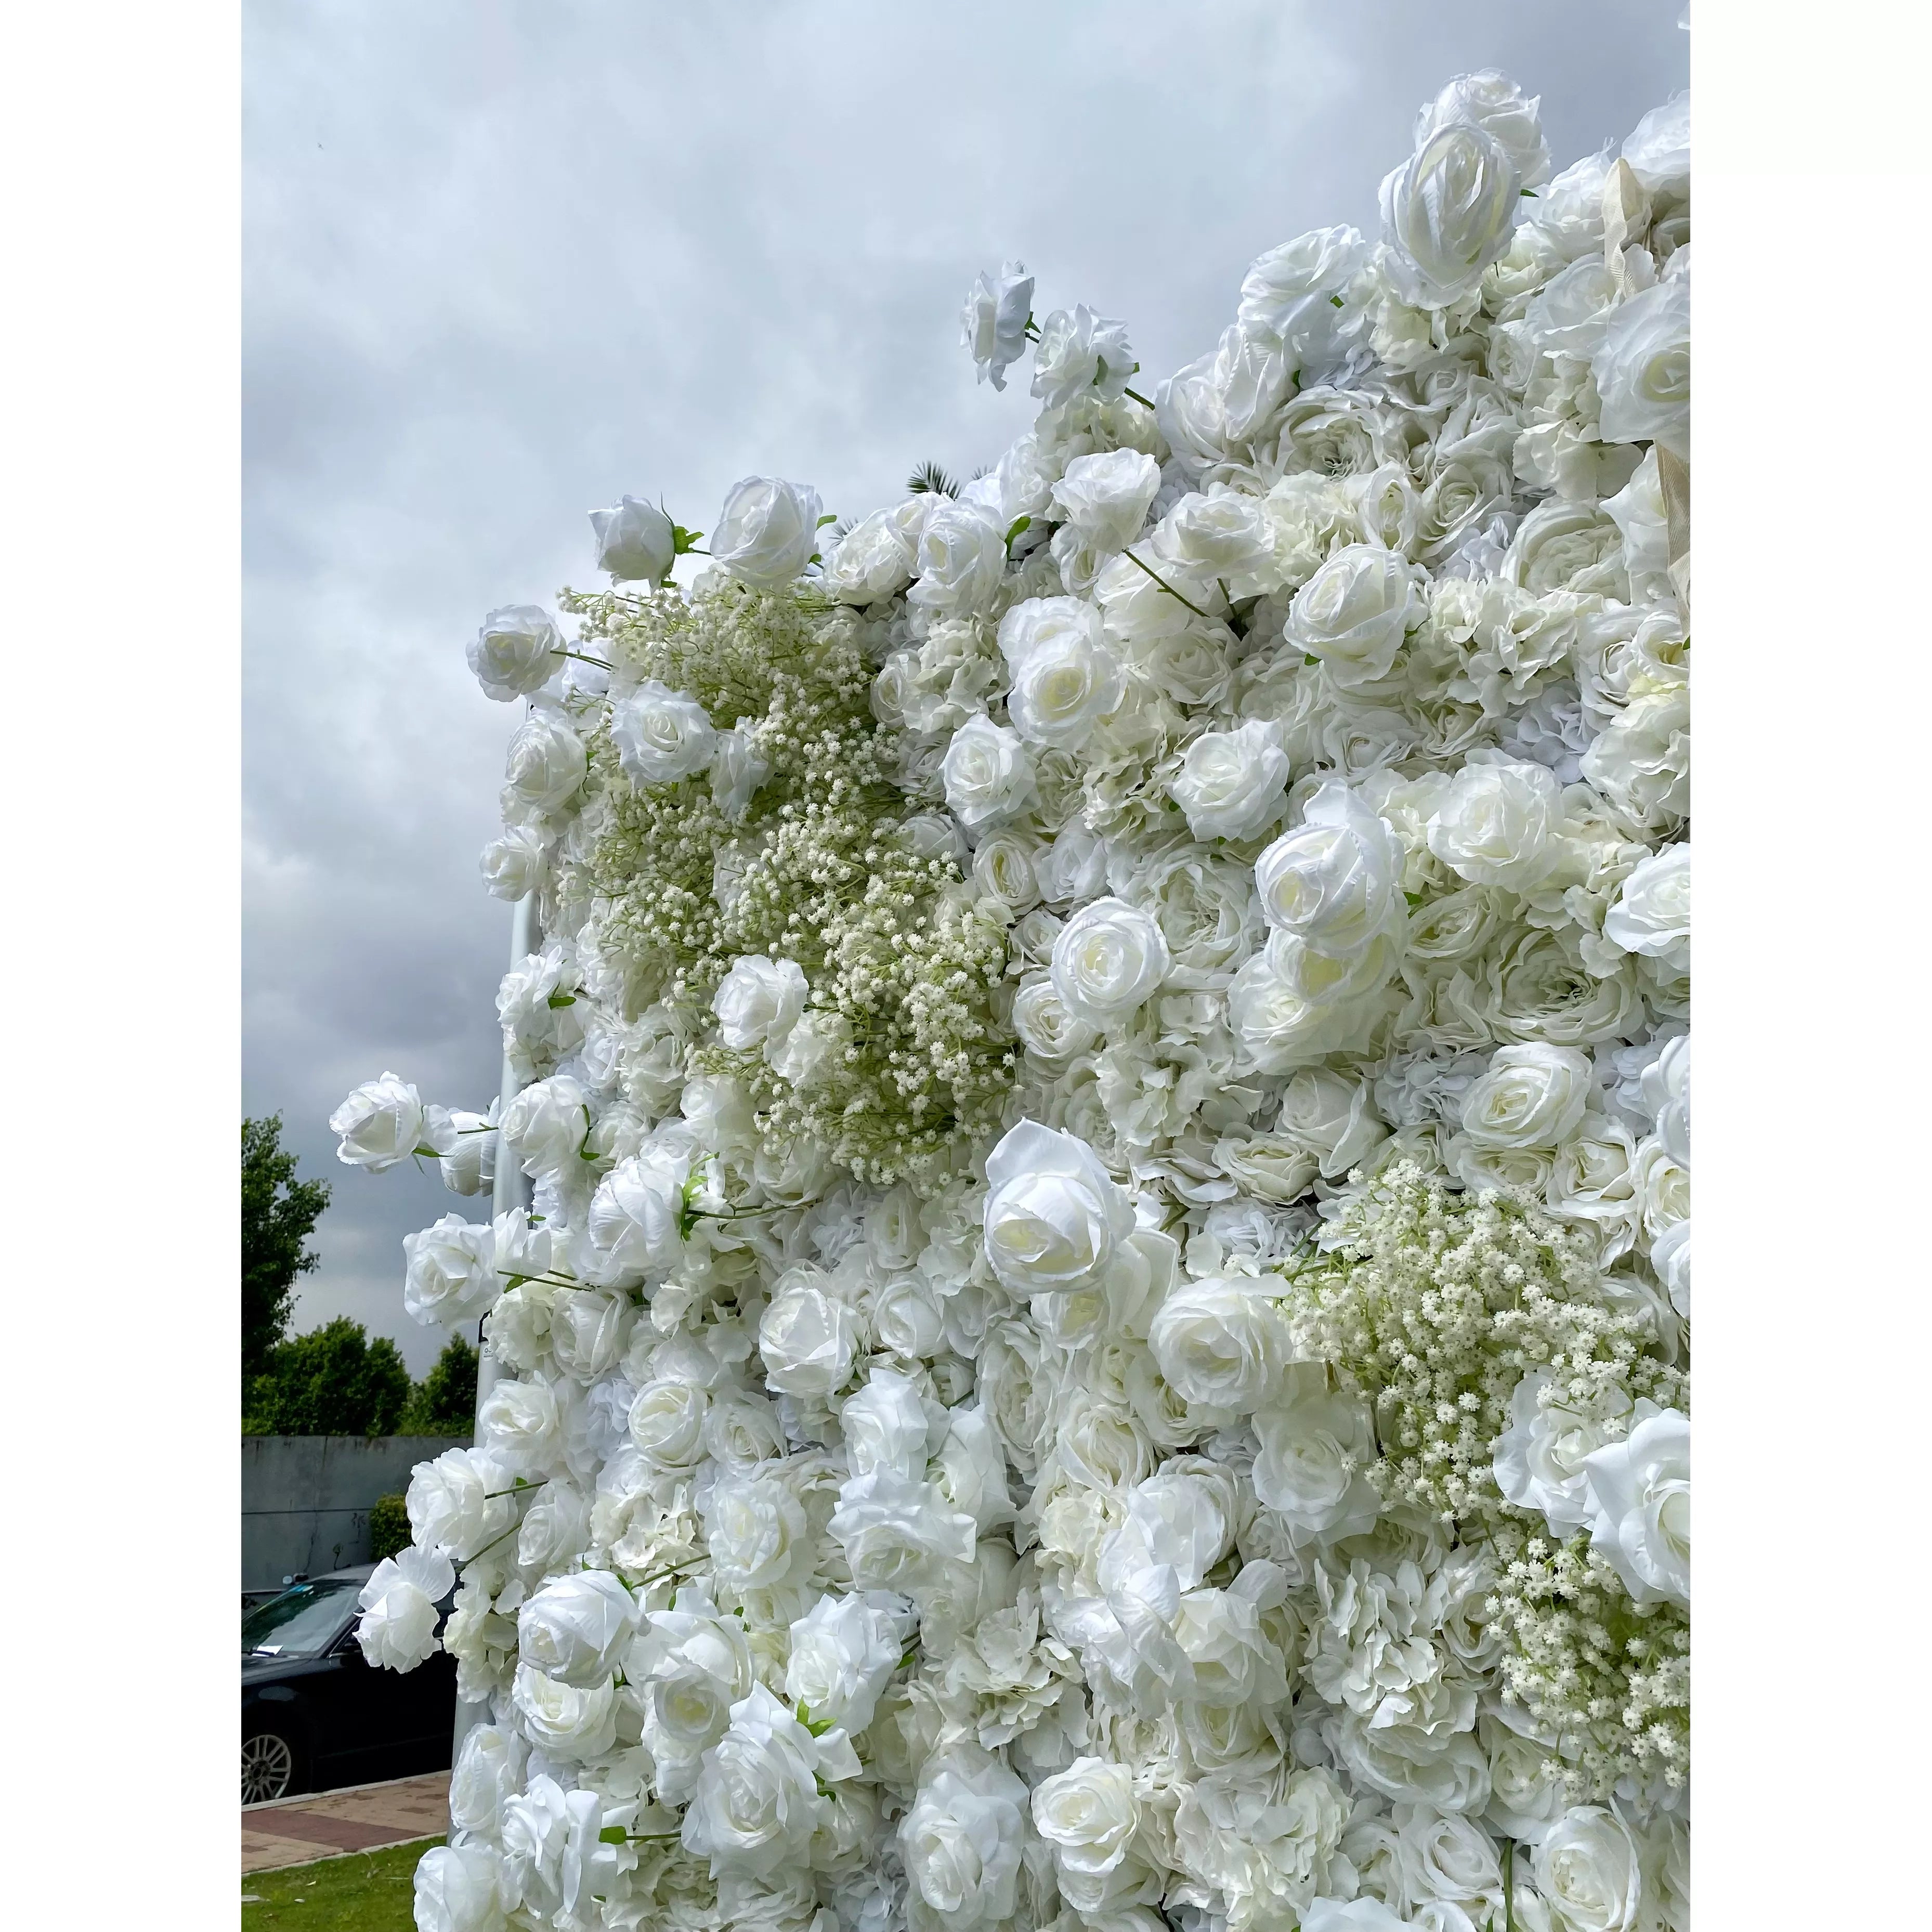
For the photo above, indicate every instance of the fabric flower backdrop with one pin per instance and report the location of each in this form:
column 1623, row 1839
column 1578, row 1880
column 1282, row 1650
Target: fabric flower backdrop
column 1101, row 1334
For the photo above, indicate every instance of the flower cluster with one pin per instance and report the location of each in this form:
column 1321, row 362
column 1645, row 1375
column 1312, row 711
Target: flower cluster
column 1101, row 1332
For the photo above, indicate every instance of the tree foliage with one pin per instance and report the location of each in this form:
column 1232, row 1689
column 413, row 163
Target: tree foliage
column 388, row 1526
column 278, row 1214
column 333, row 1381
column 444, row 1402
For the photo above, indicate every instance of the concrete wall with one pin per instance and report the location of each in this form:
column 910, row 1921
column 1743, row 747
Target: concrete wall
column 305, row 1499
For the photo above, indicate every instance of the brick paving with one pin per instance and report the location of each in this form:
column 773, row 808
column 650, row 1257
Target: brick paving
column 359, row 1818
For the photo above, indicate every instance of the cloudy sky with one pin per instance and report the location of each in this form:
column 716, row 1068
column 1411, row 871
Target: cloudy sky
column 505, row 262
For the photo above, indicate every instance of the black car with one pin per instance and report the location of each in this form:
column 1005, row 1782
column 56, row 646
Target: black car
column 315, row 1714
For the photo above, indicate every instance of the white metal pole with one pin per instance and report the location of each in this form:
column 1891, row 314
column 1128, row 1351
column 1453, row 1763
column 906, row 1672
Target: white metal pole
column 511, row 1189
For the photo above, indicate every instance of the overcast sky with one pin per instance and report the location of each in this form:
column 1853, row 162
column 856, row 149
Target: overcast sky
column 504, row 262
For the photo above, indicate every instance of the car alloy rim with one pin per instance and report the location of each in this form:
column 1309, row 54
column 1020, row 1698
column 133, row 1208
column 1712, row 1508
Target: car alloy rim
column 266, row 1765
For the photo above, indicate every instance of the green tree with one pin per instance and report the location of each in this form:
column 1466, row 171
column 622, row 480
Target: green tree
column 444, row 1402
column 278, row 1214
column 333, row 1381
column 388, row 1526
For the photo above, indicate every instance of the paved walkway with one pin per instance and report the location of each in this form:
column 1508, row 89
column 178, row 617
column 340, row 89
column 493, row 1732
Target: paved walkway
column 358, row 1818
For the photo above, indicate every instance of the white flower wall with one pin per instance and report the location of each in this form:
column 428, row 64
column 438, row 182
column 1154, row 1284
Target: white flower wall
column 1102, row 1336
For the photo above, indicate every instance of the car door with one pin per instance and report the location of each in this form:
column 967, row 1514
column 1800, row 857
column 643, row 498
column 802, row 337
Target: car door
column 353, row 1712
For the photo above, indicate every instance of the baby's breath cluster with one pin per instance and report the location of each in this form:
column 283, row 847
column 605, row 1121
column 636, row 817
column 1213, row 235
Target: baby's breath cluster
column 903, row 1056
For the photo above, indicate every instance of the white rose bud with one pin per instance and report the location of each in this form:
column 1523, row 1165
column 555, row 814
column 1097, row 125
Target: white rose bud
column 660, row 735
column 516, row 651
column 766, row 532
column 1448, row 212
column 576, row 1628
column 992, row 324
column 988, row 773
column 1498, row 825
column 1354, row 612
column 637, row 543
column 759, row 1001
column 1108, row 960
column 397, row 1629
column 1230, row 784
column 1532, row 1096
column 1053, row 1216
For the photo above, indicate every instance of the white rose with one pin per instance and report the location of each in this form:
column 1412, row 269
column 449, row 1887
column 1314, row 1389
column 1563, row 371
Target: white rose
column 547, row 1125
column 1447, row 213
column 637, row 543
column 1221, row 1343
column 636, row 1216
column 555, row 1530
column 1641, row 761
column 1108, row 960
column 1290, row 1004
column 898, row 1533
column 1639, row 1495
column 1003, row 868
column 1539, row 1459
column 807, row 1338
column 961, row 1842
column 516, row 651
column 1651, row 914
column 1079, row 351
column 758, row 1002
column 1045, row 1023
column 1354, row 612
column 489, row 1772
column 1532, row 1096
column 843, row 1651
column 1317, row 1444
column 1662, row 1184
column 993, row 324
column 1670, row 1260
column 766, row 532
column 691, row 1665
column 1330, row 1115
column 384, row 1122
column 1180, row 1519
column 877, row 556
column 1064, row 677
column 757, row 1805
column 970, row 1469
column 907, row 1318
column 1088, row 1814
column 515, row 865
column 1588, row 1870
column 519, row 1423
column 962, row 556
column 1494, row 103
column 1498, row 824
column 1643, row 370
column 1222, row 534
column 1288, row 291
column 1106, row 497
column 660, row 735
column 667, row 1421
column 1230, row 784
column 458, row 1504
column 1355, row 1915
column 758, row 1533
column 987, row 772
column 450, row 1272
column 576, row 1628
column 545, row 764
column 460, row 1889
column 397, row 1629
column 1594, row 1178
column 563, row 1721
column 1053, row 1216
column 885, row 1426
column 1335, row 881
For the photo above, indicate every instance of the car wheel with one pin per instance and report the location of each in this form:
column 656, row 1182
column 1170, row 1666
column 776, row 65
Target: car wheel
column 269, row 1763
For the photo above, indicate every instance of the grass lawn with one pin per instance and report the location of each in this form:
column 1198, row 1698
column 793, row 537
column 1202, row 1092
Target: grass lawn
column 367, row 1891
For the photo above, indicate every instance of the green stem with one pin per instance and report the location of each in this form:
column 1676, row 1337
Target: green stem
column 1138, row 397
column 599, row 662
column 1167, row 586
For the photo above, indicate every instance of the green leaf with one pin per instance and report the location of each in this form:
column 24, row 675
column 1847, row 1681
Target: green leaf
column 612, row 1834
column 1414, row 899
column 1309, row 658
column 1528, row 193
column 1017, row 528
column 830, row 516
column 683, row 541
column 1335, row 301
column 557, row 999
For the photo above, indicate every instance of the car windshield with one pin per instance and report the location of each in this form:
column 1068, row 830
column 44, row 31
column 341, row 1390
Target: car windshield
column 301, row 1620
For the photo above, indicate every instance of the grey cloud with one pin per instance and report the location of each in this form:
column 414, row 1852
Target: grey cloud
column 504, row 262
